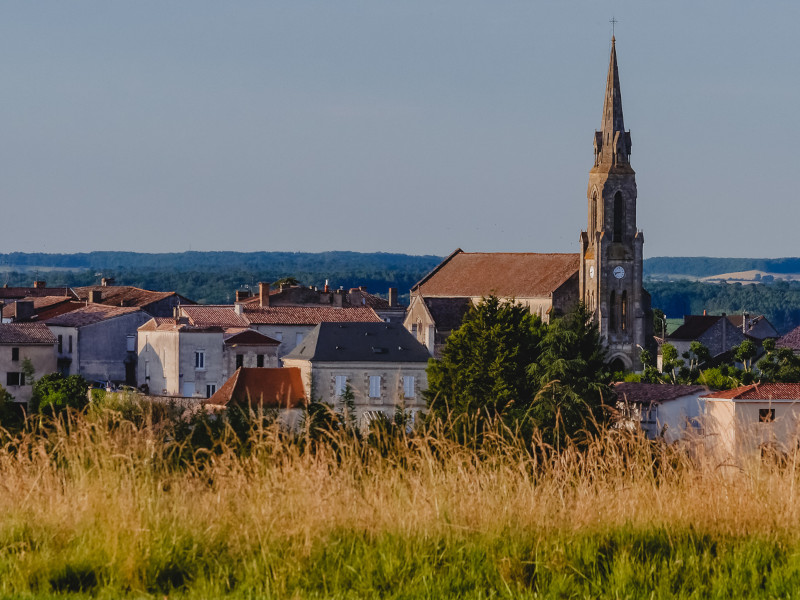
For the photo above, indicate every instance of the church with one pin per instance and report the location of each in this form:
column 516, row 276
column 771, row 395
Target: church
column 606, row 273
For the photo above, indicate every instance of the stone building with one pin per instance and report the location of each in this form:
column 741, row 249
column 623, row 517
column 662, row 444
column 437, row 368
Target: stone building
column 606, row 275
column 21, row 341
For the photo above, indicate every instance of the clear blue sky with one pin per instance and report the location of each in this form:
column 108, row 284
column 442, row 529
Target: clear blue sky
column 411, row 126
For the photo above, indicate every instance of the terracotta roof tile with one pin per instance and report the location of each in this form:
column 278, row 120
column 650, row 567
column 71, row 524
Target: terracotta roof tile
column 761, row 391
column 647, row 393
column 504, row 274
column 309, row 315
column 92, row 313
column 40, row 303
column 267, row 388
column 26, row 333
column 790, row 340
column 123, row 295
column 213, row 315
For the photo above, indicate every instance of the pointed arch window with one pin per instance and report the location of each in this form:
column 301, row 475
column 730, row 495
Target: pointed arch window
column 619, row 217
column 593, row 215
column 612, row 312
column 623, row 311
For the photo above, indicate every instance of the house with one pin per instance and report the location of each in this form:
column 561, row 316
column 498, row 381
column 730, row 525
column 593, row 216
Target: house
column 265, row 389
column 39, row 288
column 38, row 308
column 432, row 320
column 381, row 363
column 669, row 412
column 791, row 340
column 757, row 327
column 286, row 324
column 747, row 421
column 21, row 341
column 715, row 332
column 98, row 342
column 299, row 295
column 156, row 304
column 179, row 358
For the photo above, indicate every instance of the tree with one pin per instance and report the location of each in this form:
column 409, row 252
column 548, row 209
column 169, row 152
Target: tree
column 484, row 364
column 745, row 353
column 571, row 375
column 779, row 364
column 670, row 361
column 54, row 393
column 347, row 407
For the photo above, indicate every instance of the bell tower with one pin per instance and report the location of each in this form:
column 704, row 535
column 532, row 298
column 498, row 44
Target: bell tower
column 611, row 247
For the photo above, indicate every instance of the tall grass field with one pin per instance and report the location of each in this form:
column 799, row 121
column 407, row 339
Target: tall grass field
column 95, row 505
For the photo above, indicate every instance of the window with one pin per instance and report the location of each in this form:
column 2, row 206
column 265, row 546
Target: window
column 131, row 343
column 239, row 361
column 200, row 359
column 409, row 385
column 147, row 370
column 340, row 383
column 592, row 217
column 15, row 378
column 15, row 354
column 298, row 338
column 619, row 217
column 60, row 344
column 623, row 311
column 414, row 330
column 765, row 415
column 374, row 386
column 612, row 312
column 259, row 360
column 69, row 345
column 211, row 388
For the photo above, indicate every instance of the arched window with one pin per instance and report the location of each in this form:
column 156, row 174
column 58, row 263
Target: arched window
column 593, row 215
column 612, row 312
column 623, row 311
column 619, row 217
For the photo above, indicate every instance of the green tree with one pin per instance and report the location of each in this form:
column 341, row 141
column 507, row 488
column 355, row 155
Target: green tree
column 779, row 364
column 54, row 393
column 571, row 376
column 484, row 364
column 745, row 353
column 670, row 361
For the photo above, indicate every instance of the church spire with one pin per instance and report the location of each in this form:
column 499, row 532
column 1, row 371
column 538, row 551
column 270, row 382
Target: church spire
column 612, row 143
column 612, row 107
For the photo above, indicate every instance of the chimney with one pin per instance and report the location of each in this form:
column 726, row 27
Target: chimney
column 326, row 286
column 704, row 312
column 392, row 296
column 107, row 281
column 238, row 309
column 242, row 295
column 39, row 284
column 263, row 294
column 95, row 296
column 23, row 311
column 744, row 322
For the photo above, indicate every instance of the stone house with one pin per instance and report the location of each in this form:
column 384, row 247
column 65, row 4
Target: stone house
column 98, row 342
column 750, row 420
column 668, row 412
column 177, row 358
column 20, row 341
column 156, row 304
column 286, row 324
column 715, row 332
column 381, row 363
column 546, row 283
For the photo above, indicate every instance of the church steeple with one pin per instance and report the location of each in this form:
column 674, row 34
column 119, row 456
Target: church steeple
column 612, row 142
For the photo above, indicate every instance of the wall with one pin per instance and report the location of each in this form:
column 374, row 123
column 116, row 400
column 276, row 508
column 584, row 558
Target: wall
column 43, row 358
column 288, row 335
column 103, row 347
column 249, row 357
column 158, row 366
column 320, row 379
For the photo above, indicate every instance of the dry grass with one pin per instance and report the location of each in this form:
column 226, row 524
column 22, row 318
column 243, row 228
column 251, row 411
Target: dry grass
column 108, row 510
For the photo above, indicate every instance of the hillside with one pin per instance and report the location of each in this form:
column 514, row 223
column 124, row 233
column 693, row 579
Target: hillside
column 666, row 268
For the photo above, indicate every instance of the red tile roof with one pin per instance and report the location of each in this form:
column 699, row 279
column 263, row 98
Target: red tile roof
column 123, row 295
column 213, row 315
column 760, row 391
column 647, row 393
column 309, row 315
column 790, row 340
column 90, row 314
column 266, row 388
column 39, row 304
column 504, row 274
column 26, row 333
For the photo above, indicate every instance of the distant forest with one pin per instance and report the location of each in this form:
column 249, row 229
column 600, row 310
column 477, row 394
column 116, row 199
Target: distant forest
column 212, row 277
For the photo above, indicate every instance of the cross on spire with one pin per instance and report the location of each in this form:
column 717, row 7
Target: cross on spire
column 613, row 22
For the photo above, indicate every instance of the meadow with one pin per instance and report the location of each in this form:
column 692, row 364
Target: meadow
column 103, row 505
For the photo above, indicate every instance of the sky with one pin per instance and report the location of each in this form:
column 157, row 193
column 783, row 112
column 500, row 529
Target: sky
column 415, row 126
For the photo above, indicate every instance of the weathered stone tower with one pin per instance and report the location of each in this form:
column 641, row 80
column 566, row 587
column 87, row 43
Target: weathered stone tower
column 611, row 247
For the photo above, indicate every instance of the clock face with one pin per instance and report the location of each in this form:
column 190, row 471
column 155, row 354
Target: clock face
column 591, row 272
column 619, row 272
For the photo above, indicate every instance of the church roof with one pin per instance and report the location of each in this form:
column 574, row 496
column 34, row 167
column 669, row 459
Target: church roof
column 503, row 274
column 612, row 106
